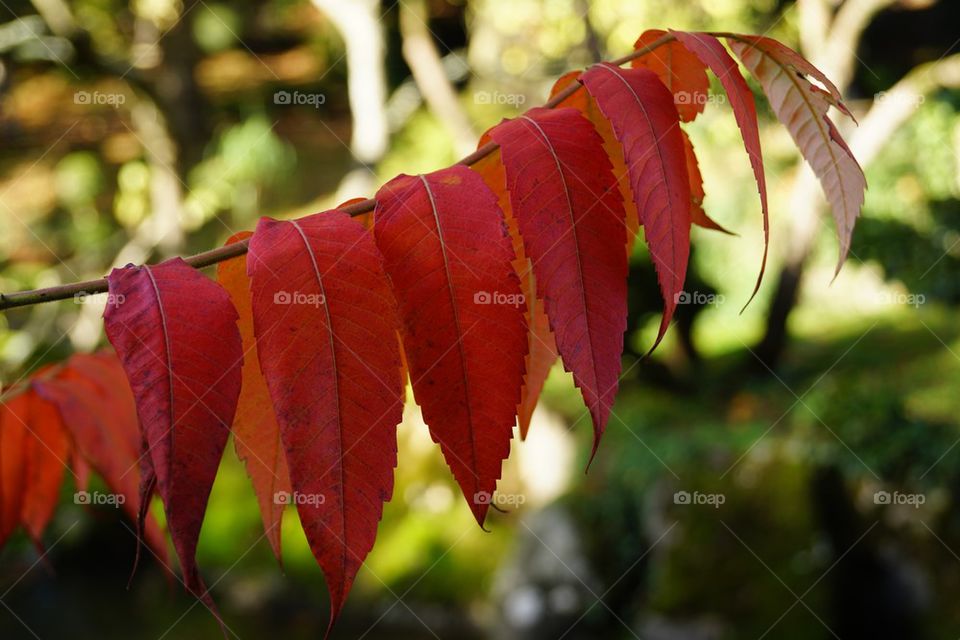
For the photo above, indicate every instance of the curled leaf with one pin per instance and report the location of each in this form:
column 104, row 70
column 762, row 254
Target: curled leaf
column 802, row 108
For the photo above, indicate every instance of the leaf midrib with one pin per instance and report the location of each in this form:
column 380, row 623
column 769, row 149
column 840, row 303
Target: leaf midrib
column 169, row 353
column 661, row 164
column 835, row 165
column 456, row 319
column 336, row 387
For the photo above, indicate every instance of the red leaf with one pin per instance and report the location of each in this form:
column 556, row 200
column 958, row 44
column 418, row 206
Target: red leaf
column 697, row 215
column 679, row 70
column 97, row 410
column 45, row 453
column 570, row 214
column 105, row 373
column 643, row 116
column 541, row 344
column 802, row 107
column 712, row 53
column 14, row 414
column 326, row 326
column 256, row 434
column 118, row 407
column 448, row 255
column 81, row 470
column 176, row 335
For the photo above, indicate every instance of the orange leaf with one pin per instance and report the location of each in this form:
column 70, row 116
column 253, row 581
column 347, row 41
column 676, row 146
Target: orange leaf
column 256, row 434
column 541, row 344
column 14, row 414
column 46, row 450
column 683, row 73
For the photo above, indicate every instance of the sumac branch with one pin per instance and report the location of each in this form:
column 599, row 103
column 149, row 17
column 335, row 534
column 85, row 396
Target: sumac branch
column 471, row 282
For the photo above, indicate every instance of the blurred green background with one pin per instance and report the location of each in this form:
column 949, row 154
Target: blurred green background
column 791, row 471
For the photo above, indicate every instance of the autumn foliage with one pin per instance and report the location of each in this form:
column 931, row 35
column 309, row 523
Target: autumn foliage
column 470, row 282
